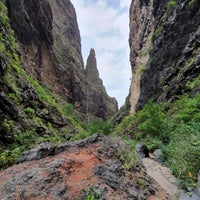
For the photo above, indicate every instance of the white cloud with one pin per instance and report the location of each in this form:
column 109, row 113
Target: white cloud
column 125, row 3
column 104, row 26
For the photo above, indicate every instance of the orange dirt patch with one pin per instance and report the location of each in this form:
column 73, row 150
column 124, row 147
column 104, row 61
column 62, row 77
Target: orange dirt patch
column 74, row 172
column 81, row 172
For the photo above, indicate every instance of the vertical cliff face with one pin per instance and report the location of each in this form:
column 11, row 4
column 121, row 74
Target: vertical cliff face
column 49, row 44
column 164, row 41
column 141, row 29
column 67, row 50
column 98, row 102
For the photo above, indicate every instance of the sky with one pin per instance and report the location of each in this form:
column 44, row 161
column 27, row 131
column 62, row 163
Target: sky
column 104, row 26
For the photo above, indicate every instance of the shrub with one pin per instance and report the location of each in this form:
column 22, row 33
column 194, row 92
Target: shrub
column 91, row 194
column 98, row 126
column 30, row 111
column 127, row 153
column 7, row 125
column 80, row 135
column 153, row 121
column 8, row 158
column 183, row 153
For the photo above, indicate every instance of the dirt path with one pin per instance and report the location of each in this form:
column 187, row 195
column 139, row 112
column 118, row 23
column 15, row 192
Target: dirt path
column 163, row 176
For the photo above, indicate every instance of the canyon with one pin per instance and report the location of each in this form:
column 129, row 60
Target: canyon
column 61, row 134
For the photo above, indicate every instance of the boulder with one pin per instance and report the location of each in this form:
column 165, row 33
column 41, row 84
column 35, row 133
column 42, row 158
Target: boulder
column 142, row 151
column 158, row 155
column 40, row 151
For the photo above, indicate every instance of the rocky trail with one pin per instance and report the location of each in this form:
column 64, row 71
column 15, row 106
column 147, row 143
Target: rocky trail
column 163, row 176
column 89, row 167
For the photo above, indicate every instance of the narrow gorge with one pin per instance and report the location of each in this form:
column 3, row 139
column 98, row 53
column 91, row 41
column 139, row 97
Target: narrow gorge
column 61, row 134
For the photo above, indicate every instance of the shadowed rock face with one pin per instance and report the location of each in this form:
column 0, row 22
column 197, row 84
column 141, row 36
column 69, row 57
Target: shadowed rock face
column 50, row 47
column 99, row 103
column 33, row 24
column 164, row 45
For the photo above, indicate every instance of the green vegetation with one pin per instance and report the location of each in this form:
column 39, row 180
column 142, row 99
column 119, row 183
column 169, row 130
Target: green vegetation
column 5, row 21
column 171, row 4
column 127, row 153
column 165, row 88
column 91, row 194
column 8, row 158
column 95, row 126
column 157, row 32
column 193, row 84
column 173, row 127
column 29, row 111
column 7, row 126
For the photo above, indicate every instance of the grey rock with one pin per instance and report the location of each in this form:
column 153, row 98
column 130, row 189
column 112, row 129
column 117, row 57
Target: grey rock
column 188, row 51
column 158, row 155
column 47, row 149
column 110, row 173
column 40, row 151
column 197, row 62
column 189, row 196
column 133, row 192
column 142, row 151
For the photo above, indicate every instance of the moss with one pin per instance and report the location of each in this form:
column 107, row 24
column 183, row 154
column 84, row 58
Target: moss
column 193, row 84
column 143, row 53
column 171, row 4
column 29, row 111
column 5, row 21
column 157, row 32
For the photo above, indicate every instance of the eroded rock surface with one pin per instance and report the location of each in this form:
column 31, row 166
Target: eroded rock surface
column 91, row 164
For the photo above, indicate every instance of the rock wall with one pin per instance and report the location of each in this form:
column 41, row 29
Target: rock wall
column 164, row 42
column 141, row 29
column 49, row 44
